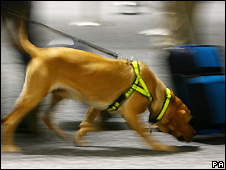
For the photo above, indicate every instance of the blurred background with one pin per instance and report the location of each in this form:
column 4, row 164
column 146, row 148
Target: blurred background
column 157, row 32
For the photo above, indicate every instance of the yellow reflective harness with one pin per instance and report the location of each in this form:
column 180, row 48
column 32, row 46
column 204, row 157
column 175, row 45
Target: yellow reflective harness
column 165, row 106
column 143, row 90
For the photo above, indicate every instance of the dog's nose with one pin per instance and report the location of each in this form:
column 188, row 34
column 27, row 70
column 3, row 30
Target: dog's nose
column 181, row 138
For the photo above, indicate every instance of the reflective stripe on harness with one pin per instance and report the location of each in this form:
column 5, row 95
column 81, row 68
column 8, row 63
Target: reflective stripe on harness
column 134, row 87
column 166, row 104
column 144, row 91
column 139, row 79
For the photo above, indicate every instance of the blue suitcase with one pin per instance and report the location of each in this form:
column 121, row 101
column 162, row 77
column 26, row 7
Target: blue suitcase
column 196, row 60
column 198, row 75
column 214, row 88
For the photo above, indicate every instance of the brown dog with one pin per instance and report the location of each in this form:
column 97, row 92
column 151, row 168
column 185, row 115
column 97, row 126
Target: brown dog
column 98, row 82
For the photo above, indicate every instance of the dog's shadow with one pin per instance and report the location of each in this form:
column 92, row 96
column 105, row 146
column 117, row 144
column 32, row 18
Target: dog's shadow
column 68, row 149
column 106, row 151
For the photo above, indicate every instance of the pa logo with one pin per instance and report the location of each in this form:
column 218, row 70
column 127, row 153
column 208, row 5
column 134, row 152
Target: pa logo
column 217, row 164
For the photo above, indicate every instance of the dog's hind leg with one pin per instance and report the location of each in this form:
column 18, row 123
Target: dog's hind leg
column 86, row 126
column 26, row 103
column 36, row 87
column 56, row 98
column 5, row 118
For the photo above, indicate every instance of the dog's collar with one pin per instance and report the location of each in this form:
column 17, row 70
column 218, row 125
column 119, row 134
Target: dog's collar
column 165, row 106
column 134, row 87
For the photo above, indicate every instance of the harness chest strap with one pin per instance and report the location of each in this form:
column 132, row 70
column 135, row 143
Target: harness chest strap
column 134, row 87
column 143, row 90
column 138, row 80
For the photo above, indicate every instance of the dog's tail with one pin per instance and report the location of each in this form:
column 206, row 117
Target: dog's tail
column 31, row 49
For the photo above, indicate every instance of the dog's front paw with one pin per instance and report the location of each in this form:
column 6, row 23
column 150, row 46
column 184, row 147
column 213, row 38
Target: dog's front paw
column 166, row 148
column 10, row 148
column 79, row 141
